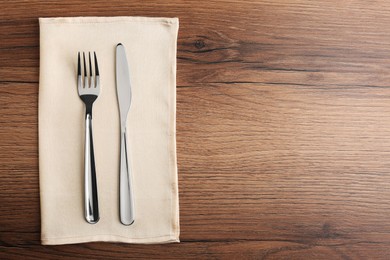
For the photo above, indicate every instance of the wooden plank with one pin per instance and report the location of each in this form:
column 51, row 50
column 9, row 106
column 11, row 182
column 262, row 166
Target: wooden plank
column 196, row 250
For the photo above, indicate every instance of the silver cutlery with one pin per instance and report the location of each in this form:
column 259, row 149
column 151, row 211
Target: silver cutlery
column 123, row 87
column 88, row 89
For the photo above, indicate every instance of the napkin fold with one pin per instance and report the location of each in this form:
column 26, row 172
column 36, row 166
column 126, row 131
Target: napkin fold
column 151, row 52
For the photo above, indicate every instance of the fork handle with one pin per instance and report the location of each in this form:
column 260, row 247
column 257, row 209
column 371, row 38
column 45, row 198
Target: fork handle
column 90, row 189
column 126, row 204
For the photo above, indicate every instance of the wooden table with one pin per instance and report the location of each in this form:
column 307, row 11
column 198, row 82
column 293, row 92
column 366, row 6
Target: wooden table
column 283, row 129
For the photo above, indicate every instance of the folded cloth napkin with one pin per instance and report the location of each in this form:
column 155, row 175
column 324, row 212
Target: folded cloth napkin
column 151, row 51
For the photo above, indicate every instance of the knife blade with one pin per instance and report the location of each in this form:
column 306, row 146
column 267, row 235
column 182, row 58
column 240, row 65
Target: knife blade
column 123, row 88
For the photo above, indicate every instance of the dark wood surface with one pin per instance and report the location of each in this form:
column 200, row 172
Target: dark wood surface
column 283, row 129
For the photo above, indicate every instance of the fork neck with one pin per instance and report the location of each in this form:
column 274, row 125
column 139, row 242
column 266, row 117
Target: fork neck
column 88, row 101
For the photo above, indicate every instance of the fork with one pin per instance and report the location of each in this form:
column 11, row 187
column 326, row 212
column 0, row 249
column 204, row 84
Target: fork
column 88, row 92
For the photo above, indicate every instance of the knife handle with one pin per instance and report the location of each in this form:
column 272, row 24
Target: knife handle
column 126, row 203
column 90, row 190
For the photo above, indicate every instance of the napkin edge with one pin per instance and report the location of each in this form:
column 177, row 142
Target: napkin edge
column 107, row 19
column 109, row 238
column 175, row 206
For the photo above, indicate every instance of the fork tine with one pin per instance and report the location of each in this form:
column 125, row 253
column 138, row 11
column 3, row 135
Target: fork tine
column 92, row 79
column 86, row 85
column 90, row 64
column 85, row 67
column 96, row 65
column 79, row 80
column 78, row 65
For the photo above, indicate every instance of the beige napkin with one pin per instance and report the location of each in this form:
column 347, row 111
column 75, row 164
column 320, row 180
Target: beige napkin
column 151, row 51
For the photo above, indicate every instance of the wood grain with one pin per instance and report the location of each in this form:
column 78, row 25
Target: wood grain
column 283, row 130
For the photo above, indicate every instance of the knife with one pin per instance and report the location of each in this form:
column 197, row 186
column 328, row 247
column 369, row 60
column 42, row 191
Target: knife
column 123, row 88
